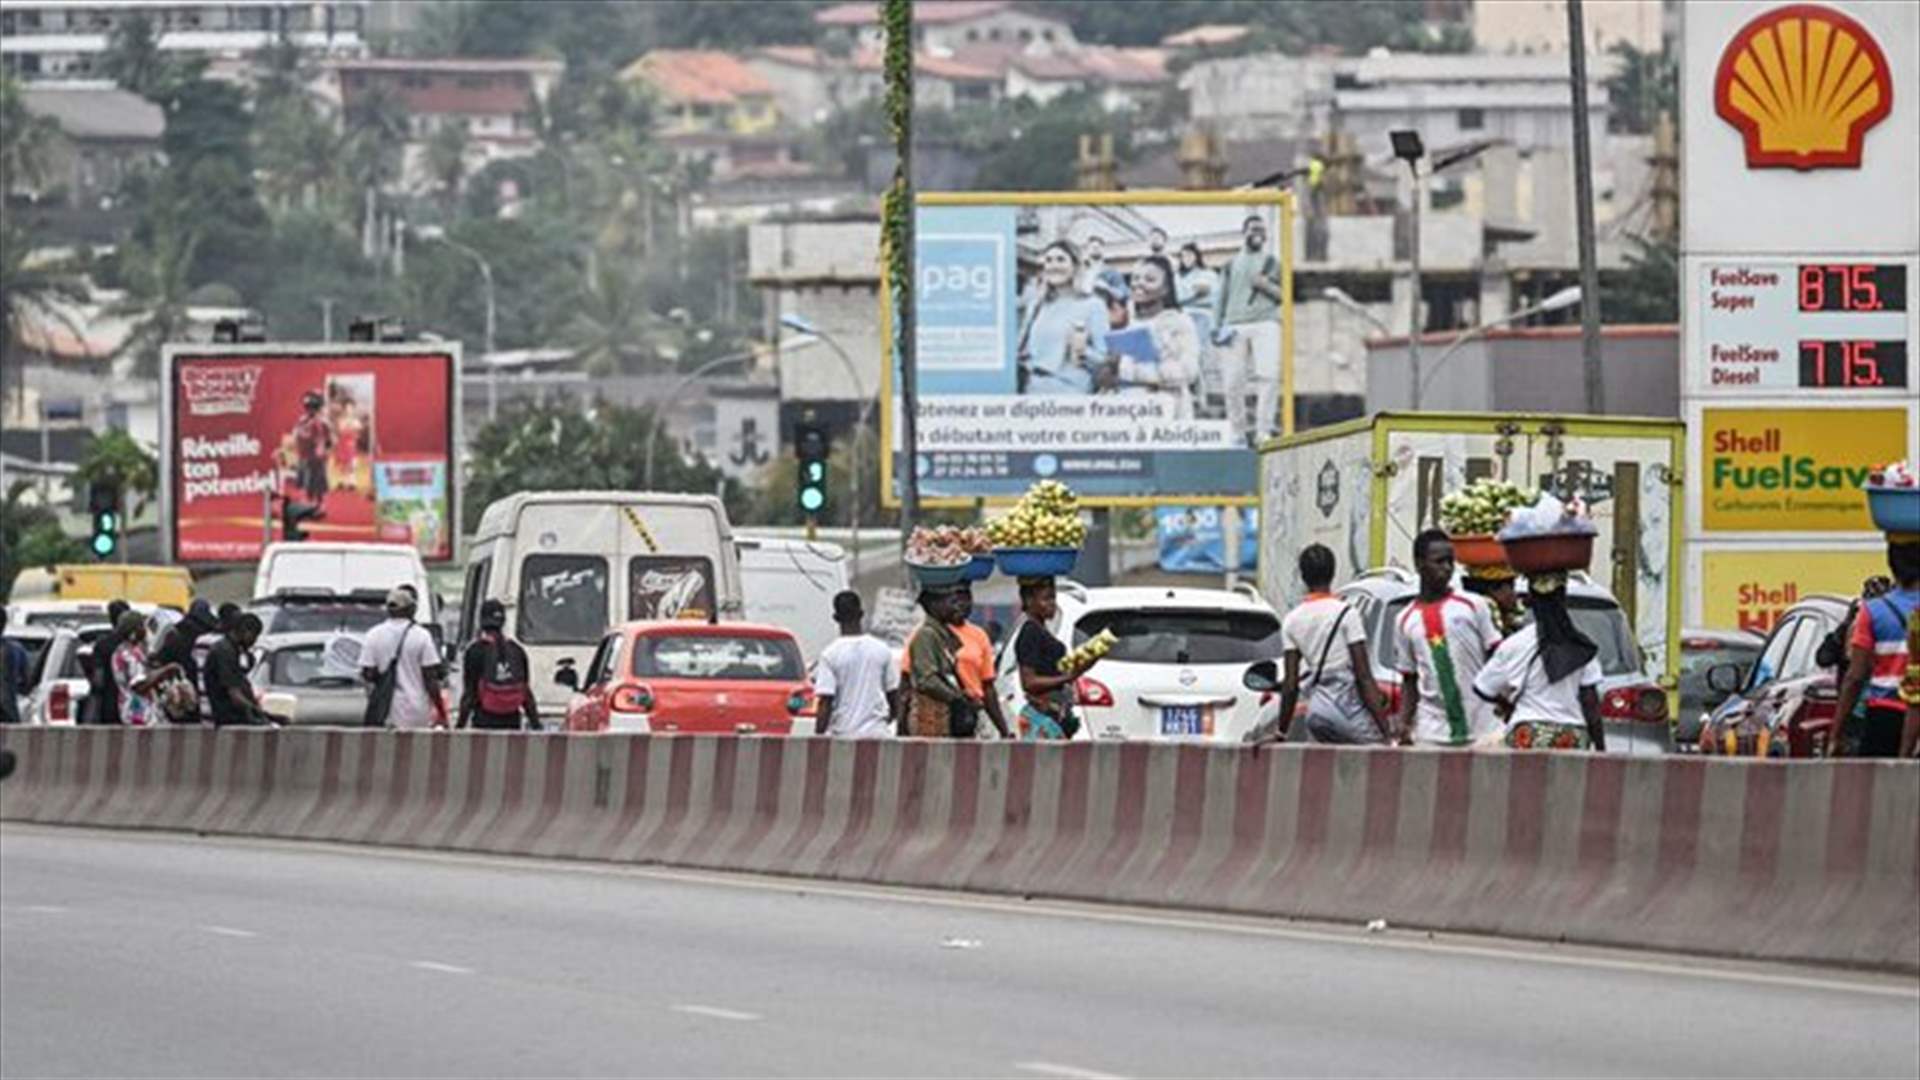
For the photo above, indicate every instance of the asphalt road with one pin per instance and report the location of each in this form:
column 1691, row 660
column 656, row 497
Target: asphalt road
column 165, row 955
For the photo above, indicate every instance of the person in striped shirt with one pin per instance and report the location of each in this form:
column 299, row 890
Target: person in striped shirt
column 1877, row 658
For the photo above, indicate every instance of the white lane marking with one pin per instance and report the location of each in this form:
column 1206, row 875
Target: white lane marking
column 446, row 969
column 1519, row 950
column 229, row 931
column 1066, row 1072
column 45, row 909
column 715, row 1013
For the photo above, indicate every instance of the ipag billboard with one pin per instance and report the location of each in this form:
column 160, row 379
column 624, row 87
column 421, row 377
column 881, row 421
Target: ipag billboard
column 1131, row 345
column 364, row 433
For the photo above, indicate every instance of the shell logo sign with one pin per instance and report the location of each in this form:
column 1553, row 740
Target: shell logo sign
column 1804, row 84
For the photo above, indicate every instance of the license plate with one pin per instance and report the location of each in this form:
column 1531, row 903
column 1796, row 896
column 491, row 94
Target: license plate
column 1186, row 720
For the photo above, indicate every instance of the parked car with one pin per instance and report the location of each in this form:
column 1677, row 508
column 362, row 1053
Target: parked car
column 311, row 678
column 59, row 678
column 55, row 614
column 691, row 678
column 1176, row 670
column 1783, row 705
column 1633, row 708
column 1700, row 652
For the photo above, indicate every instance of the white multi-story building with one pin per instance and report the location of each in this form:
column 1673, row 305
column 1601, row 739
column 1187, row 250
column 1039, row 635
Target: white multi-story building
column 945, row 26
column 65, row 39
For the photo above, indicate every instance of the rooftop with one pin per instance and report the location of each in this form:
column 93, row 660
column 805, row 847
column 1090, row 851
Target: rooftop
column 924, row 64
column 467, row 64
column 698, row 76
column 1207, row 34
column 94, row 110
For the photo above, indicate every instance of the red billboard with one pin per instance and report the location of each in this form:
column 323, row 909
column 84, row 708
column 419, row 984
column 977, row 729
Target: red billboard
column 361, row 436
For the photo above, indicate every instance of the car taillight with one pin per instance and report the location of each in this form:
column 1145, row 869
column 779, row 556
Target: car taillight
column 1092, row 692
column 632, row 699
column 59, row 704
column 1640, row 704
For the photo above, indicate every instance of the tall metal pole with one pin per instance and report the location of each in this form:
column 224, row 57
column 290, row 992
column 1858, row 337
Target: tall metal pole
column 898, row 16
column 859, row 439
column 493, row 372
column 1583, row 213
column 1414, row 322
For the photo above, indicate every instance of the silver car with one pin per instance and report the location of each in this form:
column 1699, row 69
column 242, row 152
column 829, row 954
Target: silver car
column 58, row 681
column 311, row 679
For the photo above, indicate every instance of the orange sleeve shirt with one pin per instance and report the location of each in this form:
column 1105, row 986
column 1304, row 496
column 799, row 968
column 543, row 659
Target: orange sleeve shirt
column 973, row 664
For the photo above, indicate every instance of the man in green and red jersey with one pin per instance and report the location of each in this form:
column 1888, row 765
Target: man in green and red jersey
column 1440, row 642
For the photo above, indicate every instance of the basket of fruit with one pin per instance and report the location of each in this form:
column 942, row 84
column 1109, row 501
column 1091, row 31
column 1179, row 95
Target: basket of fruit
column 1549, row 537
column 981, row 568
column 1472, row 517
column 1893, row 497
column 1089, row 651
column 1041, row 535
column 940, row 557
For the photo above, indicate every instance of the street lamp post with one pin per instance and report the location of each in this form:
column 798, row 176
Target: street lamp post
column 1559, row 301
column 434, row 232
column 665, row 408
column 804, row 325
column 1408, row 148
column 1340, row 297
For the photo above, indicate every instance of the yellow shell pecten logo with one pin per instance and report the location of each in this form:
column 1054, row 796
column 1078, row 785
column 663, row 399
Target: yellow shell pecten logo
column 1804, row 84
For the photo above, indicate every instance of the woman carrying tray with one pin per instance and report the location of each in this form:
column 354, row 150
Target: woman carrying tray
column 1545, row 678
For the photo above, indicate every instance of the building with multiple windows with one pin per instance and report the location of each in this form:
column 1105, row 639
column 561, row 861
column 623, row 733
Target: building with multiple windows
column 951, row 25
column 65, row 39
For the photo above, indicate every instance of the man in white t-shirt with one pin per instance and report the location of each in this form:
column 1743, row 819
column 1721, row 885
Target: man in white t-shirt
column 855, row 678
column 1441, row 641
column 1547, row 676
column 407, row 648
column 1325, row 641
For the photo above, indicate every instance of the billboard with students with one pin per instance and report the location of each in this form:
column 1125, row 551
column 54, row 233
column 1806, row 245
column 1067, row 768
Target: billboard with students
column 1132, row 345
column 358, row 439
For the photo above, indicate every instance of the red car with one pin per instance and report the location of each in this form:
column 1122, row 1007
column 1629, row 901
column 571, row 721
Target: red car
column 691, row 678
column 1784, row 705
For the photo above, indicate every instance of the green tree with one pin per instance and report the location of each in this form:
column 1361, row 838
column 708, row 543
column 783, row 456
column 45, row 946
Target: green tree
column 1648, row 289
column 610, row 329
column 1643, row 86
column 602, row 447
column 447, row 163
column 113, row 457
column 1043, row 144
column 157, row 270
column 30, row 535
column 135, row 61
column 25, row 139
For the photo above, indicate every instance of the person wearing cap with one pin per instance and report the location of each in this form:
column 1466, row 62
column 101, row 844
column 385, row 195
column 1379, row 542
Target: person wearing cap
column 497, row 691
column 855, row 680
column 402, row 651
column 312, row 442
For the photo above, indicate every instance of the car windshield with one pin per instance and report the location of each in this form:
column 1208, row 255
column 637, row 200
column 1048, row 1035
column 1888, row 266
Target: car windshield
column 333, row 663
column 1184, row 637
column 59, row 620
column 322, row 618
column 716, row 656
column 1600, row 620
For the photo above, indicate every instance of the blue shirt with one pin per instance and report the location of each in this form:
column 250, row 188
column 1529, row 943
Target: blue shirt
column 1045, row 344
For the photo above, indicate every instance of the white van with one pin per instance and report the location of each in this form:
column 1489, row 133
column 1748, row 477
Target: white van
column 792, row 583
column 570, row 564
column 309, row 567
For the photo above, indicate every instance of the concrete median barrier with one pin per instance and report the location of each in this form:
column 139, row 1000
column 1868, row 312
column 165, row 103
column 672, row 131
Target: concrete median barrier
column 1814, row 861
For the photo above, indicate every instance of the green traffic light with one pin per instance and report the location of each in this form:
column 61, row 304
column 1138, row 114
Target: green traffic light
column 812, row 499
column 814, row 471
column 103, row 544
column 106, row 521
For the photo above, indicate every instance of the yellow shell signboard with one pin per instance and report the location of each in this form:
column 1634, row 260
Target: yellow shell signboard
column 1804, row 84
column 1793, row 470
column 1751, row 590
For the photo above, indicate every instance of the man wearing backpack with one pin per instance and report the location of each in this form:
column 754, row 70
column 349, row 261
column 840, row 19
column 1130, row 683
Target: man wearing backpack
column 497, row 690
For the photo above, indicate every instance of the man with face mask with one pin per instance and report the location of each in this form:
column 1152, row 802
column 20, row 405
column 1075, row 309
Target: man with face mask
column 1247, row 312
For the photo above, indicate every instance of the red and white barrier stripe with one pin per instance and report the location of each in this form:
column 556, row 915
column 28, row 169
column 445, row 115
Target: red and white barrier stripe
column 1800, row 860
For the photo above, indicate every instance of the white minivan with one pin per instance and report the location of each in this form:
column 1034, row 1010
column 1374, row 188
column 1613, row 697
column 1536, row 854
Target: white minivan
column 792, row 583
column 310, row 567
column 569, row 565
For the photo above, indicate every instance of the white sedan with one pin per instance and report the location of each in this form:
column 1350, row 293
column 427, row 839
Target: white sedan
column 1175, row 672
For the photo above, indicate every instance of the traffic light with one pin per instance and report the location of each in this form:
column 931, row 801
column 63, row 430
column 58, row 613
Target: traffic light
column 810, row 443
column 103, row 499
column 292, row 513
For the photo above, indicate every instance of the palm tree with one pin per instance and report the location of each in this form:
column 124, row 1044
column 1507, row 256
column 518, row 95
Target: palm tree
column 158, row 273
column 447, row 162
column 25, row 138
column 611, row 330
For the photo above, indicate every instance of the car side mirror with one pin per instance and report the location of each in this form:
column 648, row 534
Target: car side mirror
column 1264, row 676
column 1726, row 678
column 567, row 677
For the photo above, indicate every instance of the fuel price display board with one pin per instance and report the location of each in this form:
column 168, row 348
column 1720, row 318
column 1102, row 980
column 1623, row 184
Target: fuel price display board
column 1812, row 326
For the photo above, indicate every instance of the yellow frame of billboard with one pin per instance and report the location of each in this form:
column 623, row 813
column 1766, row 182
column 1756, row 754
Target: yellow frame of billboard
column 1284, row 203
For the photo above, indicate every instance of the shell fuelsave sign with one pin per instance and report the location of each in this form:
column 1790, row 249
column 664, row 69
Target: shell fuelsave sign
column 1803, row 84
column 1794, row 470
